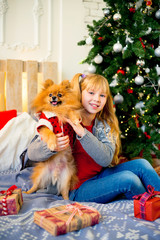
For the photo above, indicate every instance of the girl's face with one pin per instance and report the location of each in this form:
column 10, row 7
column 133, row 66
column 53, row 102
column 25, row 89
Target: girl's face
column 93, row 100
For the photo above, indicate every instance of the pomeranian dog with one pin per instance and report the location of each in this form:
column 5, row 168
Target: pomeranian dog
column 53, row 104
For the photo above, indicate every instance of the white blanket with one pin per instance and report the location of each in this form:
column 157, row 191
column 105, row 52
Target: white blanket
column 14, row 139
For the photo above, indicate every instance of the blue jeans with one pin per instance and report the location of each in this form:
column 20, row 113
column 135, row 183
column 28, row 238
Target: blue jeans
column 129, row 179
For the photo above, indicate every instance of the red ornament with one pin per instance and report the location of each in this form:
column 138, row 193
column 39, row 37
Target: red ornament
column 136, row 120
column 121, row 71
column 130, row 90
column 148, row 3
column 147, row 136
column 140, row 39
column 132, row 10
column 101, row 38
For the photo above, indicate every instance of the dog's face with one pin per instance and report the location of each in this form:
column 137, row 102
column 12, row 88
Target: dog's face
column 53, row 96
column 56, row 95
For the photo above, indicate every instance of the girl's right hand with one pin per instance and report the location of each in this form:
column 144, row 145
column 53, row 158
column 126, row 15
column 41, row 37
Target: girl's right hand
column 62, row 142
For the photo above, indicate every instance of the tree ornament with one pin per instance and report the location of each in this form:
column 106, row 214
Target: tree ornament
column 98, row 59
column 127, row 69
column 157, row 52
column 114, row 83
column 91, row 68
column 158, row 69
column 148, row 3
column 140, row 105
column 140, row 39
column 118, row 98
column 121, row 71
column 106, row 12
column 124, row 49
column 143, row 128
column 89, row 41
column 132, row 10
column 140, row 63
column 147, row 70
column 149, row 30
column 158, row 82
column 138, row 4
column 116, row 16
column 147, row 135
column 100, row 38
column 128, row 40
column 139, row 80
column 117, row 47
column 129, row 91
column 157, row 14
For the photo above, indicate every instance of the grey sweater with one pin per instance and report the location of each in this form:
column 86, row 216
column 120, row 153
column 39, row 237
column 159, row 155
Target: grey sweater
column 97, row 144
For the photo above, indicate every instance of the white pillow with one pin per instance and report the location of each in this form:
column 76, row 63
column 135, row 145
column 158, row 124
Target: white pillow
column 14, row 139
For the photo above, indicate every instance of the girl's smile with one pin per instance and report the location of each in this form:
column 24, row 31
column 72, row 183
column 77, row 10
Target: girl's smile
column 94, row 106
column 93, row 100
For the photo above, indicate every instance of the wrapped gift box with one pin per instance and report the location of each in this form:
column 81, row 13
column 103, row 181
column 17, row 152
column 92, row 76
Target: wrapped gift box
column 66, row 218
column 11, row 201
column 147, row 205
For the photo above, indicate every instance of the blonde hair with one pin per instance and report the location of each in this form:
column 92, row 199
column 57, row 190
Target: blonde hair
column 96, row 81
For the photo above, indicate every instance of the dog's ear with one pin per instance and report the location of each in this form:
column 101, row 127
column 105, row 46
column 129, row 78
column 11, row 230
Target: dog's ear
column 65, row 83
column 48, row 83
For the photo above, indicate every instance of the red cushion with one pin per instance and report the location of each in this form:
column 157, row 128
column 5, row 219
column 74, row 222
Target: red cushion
column 5, row 116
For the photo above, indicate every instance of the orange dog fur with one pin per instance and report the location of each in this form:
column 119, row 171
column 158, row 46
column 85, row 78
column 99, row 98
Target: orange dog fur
column 60, row 168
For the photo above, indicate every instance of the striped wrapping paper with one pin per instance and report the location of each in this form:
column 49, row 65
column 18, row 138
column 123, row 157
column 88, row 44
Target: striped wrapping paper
column 66, row 218
column 13, row 202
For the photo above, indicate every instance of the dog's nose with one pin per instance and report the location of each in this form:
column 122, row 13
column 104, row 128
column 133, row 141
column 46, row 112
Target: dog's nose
column 54, row 98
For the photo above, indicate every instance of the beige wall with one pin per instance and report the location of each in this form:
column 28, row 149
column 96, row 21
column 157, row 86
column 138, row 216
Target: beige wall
column 47, row 30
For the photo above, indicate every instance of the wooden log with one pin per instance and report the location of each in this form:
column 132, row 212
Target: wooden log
column 32, row 78
column 14, row 85
column 2, row 91
column 49, row 70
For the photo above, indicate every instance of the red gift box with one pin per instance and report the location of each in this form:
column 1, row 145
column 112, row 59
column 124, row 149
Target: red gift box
column 66, row 218
column 147, row 205
column 11, row 201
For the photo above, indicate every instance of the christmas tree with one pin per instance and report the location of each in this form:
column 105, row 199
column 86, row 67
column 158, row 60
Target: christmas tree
column 125, row 48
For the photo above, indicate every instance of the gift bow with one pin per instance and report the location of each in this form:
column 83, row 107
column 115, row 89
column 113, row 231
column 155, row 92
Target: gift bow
column 70, row 208
column 74, row 210
column 144, row 197
column 6, row 193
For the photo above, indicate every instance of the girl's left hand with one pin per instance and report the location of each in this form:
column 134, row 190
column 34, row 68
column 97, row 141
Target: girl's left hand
column 79, row 129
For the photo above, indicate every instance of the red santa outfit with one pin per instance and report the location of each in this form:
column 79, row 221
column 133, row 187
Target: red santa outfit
column 50, row 120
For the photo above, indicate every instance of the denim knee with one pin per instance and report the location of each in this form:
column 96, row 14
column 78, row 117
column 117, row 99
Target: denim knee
column 130, row 182
column 129, row 178
column 142, row 163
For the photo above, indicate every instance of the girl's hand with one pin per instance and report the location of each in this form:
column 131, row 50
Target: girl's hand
column 62, row 142
column 79, row 129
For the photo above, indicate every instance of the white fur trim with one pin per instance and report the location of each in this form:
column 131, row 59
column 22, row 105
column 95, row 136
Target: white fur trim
column 44, row 122
column 49, row 114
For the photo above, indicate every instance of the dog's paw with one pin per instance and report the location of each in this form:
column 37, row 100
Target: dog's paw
column 25, row 192
column 51, row 143
column 51, row 146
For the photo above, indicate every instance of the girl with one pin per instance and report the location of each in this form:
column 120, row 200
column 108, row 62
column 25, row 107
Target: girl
column 97, row 146
column 96, row 149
